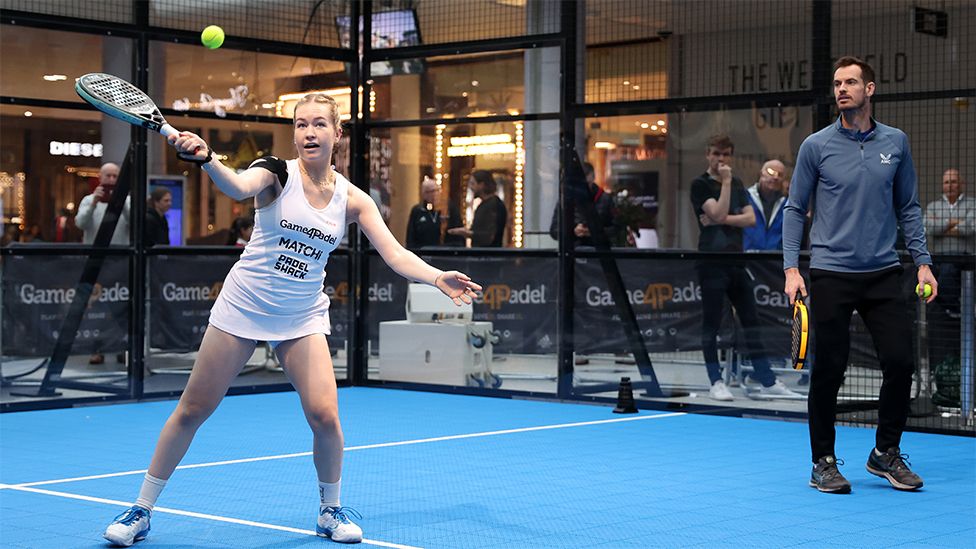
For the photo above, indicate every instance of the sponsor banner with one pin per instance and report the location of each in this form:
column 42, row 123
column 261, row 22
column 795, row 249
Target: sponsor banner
column 519, row 299
column 182, row 290
column 665, row 297
column 37, row 293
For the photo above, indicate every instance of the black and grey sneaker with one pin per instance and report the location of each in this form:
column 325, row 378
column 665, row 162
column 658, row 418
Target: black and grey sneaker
column 893, row 465
column 827, row 478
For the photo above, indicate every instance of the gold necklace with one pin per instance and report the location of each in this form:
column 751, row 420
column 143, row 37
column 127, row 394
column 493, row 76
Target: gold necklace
column 327, row 182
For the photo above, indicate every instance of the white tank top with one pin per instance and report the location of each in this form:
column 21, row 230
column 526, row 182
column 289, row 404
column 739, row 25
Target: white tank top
column 282, row 269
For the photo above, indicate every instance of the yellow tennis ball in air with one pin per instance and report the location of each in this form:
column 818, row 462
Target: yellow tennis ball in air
column 212, row 37
column 928, row 291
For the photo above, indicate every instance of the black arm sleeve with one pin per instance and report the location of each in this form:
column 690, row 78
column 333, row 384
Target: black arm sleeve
column 274, row 165
column 411, row 232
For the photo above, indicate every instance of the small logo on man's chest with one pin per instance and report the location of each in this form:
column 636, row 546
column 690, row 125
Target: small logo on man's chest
column 885, row 158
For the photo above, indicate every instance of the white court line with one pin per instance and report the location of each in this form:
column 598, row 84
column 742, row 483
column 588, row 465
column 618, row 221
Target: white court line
column 362, row 447
column 197, row 515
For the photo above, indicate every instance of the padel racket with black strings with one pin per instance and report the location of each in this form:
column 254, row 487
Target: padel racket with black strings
column 120, row 99
column 801, row 332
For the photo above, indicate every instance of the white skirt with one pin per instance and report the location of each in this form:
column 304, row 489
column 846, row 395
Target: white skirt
column 233, row 312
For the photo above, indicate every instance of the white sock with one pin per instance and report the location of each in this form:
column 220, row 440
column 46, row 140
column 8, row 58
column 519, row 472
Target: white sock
column 329, row 493
column 149, row 493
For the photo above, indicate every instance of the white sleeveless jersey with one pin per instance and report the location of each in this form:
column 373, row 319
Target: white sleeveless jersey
column 275, row 291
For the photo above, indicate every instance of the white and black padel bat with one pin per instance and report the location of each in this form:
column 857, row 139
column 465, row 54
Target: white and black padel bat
column 120, row 99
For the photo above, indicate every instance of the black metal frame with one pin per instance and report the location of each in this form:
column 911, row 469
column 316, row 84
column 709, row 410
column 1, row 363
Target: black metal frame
column 571, row 110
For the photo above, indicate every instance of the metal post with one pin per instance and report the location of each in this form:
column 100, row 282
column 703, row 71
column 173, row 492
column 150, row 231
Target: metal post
column 966, row 347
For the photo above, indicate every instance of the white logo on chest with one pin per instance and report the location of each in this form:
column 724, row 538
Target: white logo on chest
column 885, row 158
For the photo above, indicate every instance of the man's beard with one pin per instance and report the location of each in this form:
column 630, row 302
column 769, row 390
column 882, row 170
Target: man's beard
column 851, row 107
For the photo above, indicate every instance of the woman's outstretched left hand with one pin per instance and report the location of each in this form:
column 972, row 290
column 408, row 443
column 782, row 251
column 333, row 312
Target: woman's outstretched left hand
column 457, row 286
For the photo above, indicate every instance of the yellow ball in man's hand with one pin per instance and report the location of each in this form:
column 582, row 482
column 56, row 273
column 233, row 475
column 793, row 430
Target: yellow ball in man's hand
column 928, row 291
column 212, row 37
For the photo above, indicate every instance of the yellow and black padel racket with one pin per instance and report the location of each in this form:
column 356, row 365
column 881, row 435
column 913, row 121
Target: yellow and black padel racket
column 801, row 332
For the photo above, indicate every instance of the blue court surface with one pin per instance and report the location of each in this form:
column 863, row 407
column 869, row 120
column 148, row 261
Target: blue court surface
column 446, row 471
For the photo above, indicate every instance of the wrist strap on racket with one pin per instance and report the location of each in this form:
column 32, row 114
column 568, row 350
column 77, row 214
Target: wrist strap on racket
column 194, row 160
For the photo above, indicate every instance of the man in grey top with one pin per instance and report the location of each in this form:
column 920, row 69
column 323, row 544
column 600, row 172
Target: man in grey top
column 950, row 225
column 92, row 208
column 863, row 179
column 950, row 222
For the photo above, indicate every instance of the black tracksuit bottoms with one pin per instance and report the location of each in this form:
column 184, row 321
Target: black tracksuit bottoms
column 878, row 298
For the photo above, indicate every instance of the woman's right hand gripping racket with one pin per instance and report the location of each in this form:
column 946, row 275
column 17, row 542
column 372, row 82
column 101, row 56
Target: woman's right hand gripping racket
column 801, row 332
column 120, row 99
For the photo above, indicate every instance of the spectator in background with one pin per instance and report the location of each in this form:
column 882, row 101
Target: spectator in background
column 950, row 225
column 33, row 234
column 157, row 228
column 92, row 208
column 424, row 225
column 240, row 232
column 767, row 200
column 602, row 201
column 488, row 226
column 722, row 207
column 950, row 222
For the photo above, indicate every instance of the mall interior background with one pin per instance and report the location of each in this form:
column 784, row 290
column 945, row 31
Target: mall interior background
column 519, row 88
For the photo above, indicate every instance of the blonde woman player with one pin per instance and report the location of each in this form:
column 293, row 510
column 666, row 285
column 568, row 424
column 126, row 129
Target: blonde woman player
column 274, row 293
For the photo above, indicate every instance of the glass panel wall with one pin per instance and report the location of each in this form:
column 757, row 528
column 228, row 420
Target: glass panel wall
column 514, row 317
column 226, row 81
column 292, row 21
column 26, row 72
column 648, row 161
column 522, row 170
column 490, row 84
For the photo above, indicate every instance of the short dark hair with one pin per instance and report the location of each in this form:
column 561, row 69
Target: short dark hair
column 485, row 177
column 157, row 194
column 720, row 142
column 588, row 168
column 867, row 71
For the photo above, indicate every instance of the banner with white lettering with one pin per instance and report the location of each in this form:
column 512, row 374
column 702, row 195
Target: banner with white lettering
column 665, row 297
column 182, row 289
column 37, row 293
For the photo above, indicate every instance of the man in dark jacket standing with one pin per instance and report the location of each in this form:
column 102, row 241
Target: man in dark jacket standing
column 157, row 228
column 602, row 201
column 490, row 218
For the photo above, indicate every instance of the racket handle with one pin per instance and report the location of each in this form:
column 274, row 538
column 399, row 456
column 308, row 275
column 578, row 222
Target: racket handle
column 168, row 130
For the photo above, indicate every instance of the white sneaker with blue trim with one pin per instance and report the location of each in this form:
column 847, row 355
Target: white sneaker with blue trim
column 334, row 523
column 129, row 527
